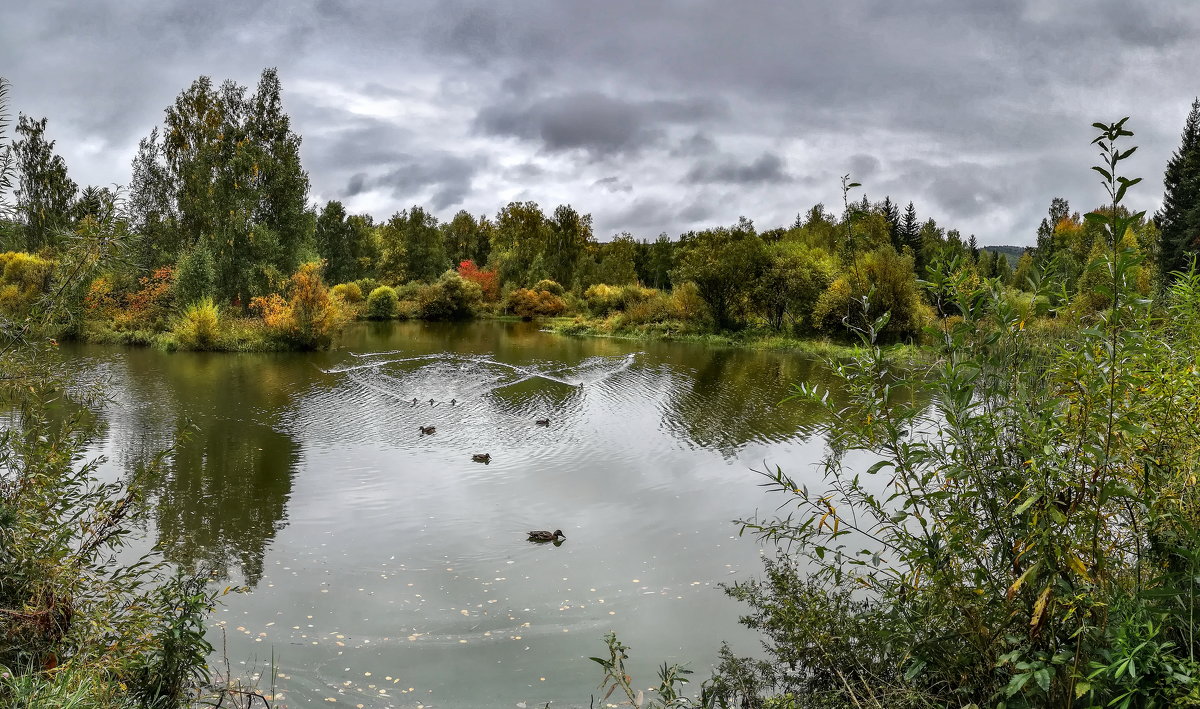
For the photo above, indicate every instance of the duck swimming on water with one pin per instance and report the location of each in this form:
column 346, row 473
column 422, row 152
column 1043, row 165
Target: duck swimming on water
column 482, row 457
column 427, row 430
column 541, row 535
column 543, row 422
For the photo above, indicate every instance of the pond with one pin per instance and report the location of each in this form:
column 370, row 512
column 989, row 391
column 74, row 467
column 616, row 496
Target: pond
column 386, row 568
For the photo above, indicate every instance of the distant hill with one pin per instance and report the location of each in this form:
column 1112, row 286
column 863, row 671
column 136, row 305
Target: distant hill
column 1012, row 253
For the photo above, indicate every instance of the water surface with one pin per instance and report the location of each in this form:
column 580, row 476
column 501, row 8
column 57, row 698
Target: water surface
column 387, row 569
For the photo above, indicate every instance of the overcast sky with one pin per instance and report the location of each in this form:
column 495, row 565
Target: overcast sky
column 653, row 116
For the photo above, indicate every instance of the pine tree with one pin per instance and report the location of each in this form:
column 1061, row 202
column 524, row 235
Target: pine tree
column 1179, row 219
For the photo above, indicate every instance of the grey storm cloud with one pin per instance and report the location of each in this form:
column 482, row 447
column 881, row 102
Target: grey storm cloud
column 977, row 111
column 613, row 183
column 447, row 176
column 592, row 121
column 766, row 168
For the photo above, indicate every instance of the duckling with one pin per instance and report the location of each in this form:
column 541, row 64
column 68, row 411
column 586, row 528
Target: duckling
column 427, row 430
column 541, row 535
column 431, row 402
column 414, row 401
column 484, row 458
column 454, row 402
column 543, row 422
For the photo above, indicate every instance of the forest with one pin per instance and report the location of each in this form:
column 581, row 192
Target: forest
column 213, row 244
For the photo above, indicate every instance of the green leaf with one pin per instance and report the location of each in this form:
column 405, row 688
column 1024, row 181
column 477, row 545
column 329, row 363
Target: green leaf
column 1029, row 501
column 1102, row 171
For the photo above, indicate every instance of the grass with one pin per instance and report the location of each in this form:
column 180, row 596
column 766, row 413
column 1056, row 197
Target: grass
column 748, row 339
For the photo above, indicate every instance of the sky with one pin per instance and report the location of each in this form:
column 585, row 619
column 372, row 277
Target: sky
column 660, row 116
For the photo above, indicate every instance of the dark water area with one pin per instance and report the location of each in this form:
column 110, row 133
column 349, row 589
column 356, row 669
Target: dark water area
column 387, row 569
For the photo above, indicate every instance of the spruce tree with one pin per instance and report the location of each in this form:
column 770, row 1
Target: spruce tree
column 1179, row 219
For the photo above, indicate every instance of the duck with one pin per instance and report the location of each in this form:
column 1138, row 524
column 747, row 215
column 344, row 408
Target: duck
column 428, row 430
column 481, row 457
column 454, row 402
column 541, row 535
column 543, row 422
column 431, row 402
column 414, row 401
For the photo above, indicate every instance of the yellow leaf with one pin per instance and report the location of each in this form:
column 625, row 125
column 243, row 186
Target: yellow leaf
column 1040, row 606
column 1075, row 563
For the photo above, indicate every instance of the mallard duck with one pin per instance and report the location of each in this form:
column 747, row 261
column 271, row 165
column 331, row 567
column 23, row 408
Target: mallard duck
column 541, row 535
column 428, row 430
column 543, row 422
column 482, row 457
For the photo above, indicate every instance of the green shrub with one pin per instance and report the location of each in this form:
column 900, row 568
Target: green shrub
column 199, row 326
column 349, row 292
column 549, row 286
column 381, row 303
column 366, row 285
column 450, row 298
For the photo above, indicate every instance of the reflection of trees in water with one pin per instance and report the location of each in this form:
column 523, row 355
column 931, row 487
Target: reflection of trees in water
column 223, row 497
column 732, row 397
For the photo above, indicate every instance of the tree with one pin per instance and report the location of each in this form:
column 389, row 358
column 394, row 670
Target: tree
column 344, row 242
column 891, row 213
column 466, row 239
column 724, row 263
column 151, row 205
column 426, row 255
column 1178, row 220
column 45, row 194
column 518, row 241
column 570, row 234
column 235, row 173
column 910, row 230
column 616, row 262
column 1059, row 210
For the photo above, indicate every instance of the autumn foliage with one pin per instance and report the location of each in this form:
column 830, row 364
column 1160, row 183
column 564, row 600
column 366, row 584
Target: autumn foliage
column 310, row 316
column 487, row 280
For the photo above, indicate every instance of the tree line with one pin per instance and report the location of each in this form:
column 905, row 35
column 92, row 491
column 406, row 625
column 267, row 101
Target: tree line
column 217, row 209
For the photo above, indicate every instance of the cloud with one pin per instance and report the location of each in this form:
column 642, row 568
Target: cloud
column 977, row 111
column 594, row 122
column 613, row 184
column 766, row 168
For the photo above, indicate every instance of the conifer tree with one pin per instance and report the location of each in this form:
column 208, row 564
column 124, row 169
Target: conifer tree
column 1179, row 219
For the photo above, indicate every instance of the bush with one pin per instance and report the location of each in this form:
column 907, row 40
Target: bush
column 23, row 279
column 530, row 304
column 450, row 298
column 688, row 304
column 381, row 303
column 310, row 317
column 366, row 285
column 487, row 280
column 889, row 280
column 349, row 292
column 199, row 326
column 602, row 299
column 549, row 286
